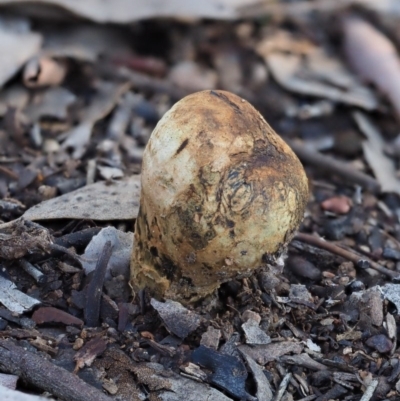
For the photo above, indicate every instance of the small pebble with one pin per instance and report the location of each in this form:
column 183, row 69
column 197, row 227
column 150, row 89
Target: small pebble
column 337, row 204
column 355, row 286
column 380, row 343
column 78, row 344
column 390, row 253
column 303, row 268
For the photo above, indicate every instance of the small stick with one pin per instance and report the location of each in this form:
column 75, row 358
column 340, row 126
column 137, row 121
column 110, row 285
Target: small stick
column 337, row 250
column 45, row 375
column 282, row 387
column 369, row 390
column 77, row 238
column 60, row 249
column 33, row 271
column 9, row 173
column 334, row 166
column 95, row 288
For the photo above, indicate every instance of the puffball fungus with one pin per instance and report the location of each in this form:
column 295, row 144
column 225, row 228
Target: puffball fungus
column 222, row 194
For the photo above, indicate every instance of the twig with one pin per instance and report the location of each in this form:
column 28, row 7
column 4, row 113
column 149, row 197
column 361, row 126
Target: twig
column 337, row 250
column 9, row 173
column 60, row 249
column 45, row 375
column 78, row 238
column 331, row 165
column 282, row 387
column 95, row 289
column 33, row 271
column 370, row 390
column 144, row 82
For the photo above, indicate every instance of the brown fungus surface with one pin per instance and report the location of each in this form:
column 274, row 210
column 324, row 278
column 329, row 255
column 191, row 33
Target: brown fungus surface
column 222, row 194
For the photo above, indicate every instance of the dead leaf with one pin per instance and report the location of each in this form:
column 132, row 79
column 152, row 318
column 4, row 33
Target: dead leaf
column 289, row 72
column 103, row 102
column 17, row 45
column 374, row 57
column 382, row 166
column 85, row 42
column 53, row 102
column 118, row 200
column 15, row 96
column 125, row 11
column 177, row 319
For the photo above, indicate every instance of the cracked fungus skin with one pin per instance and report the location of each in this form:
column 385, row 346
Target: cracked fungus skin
column 222, row 194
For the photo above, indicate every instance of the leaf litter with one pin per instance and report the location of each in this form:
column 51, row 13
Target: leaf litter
column 78, row 103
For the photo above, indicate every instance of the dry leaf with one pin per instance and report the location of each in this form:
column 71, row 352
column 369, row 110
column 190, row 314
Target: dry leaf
column 105, row 100
column 124, row 11
column 85, row 42
column 15, row 96
column 292, row 73
column 100, row 201
column 374, row 57
column 17, row 46
column 53, row 102
column 382, row 166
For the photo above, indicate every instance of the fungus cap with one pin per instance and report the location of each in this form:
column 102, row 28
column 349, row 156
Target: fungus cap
column 222, row 194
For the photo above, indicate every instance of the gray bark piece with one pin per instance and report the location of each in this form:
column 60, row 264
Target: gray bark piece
column 177, row 319
column 263, row 354
column 370, row 303
column 303, row 360
column 211, row 338
column 391, row 292
column 254, row 335
column 264, row 391
column 13, row 299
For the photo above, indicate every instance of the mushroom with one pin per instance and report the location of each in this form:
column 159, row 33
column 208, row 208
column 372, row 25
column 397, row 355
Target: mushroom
column 222, row 194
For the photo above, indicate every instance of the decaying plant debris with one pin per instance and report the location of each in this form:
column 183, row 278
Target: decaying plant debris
column 78, row 102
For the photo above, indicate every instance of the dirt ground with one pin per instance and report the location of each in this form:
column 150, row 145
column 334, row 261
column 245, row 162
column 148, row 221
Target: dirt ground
column 82, row 86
